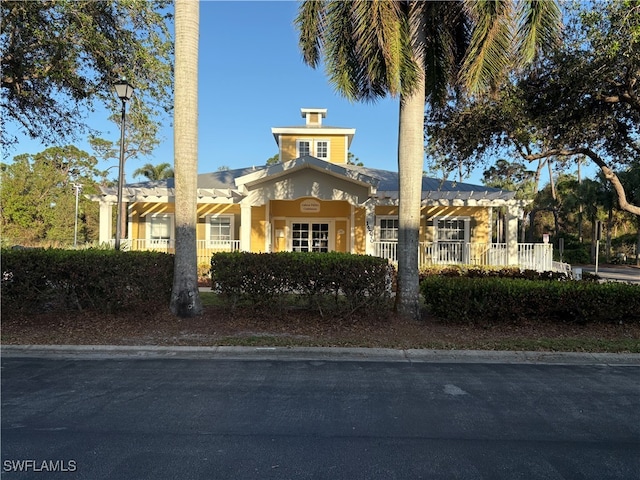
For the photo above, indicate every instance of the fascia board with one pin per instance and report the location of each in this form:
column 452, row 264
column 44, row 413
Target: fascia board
column 305, row 131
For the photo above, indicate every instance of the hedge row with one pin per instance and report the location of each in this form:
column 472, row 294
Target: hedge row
column 501, row 299
column 354, row 280
column 98, row 280
column 475, row 271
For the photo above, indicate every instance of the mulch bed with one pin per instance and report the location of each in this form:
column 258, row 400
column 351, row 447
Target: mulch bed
column 248, row 326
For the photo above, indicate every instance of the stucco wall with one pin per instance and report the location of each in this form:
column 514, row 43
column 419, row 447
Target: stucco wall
column 308, row 182
column 336, row 146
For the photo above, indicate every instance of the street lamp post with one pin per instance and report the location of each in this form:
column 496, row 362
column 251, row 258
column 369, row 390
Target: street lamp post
column 124, row 90
column 77, row 188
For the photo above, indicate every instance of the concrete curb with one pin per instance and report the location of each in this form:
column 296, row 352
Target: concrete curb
column 97, row 352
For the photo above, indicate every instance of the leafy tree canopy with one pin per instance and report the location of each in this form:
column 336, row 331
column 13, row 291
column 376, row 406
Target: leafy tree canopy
column 273, row 159
column 140, row 138
column 582, row 100
column 60, row 58
column 38, row 196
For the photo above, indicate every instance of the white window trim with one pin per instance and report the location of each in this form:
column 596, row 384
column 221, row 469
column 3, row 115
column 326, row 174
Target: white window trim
column 467, row 228
column 306, row 140
column 232, row 231
column 310, row 220
column 315, row 146
column 157, row 242
column 379, row 219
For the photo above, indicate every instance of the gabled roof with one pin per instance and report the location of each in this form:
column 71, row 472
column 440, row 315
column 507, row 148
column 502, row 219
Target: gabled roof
column 231, row 185
column 272, row 172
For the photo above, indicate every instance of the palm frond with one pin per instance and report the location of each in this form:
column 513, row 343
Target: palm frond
column 446, row 41
column 490, row 49
column 378, row 35
column 343, row 65
column 539, row 23
column 310, row 23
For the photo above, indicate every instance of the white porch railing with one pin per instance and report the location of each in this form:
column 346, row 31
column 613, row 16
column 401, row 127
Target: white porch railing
column 534, row 256
column 206, row 248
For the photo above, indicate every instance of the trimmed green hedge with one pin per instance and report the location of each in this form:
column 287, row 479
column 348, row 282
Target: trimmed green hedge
column 97, row 280
column 505, row 299
column 356, row 280
column 475, row 271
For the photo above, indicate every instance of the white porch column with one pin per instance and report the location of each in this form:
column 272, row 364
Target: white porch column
column 370, row 224
column 245, row 227
column 513, row 213
column 106, row 220
column 268, row 234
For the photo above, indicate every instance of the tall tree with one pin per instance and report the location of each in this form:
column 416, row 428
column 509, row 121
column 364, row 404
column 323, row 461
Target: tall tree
column 582, row 101
column 141, row 137
column 152, row 172
column 59, row 59
column 185, row 297
column 37, row 199
column 418, row 50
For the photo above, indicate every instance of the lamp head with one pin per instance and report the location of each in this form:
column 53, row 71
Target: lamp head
column 124, row 89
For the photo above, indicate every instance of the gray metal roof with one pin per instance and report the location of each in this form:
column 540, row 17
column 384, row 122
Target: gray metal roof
column 432, row 188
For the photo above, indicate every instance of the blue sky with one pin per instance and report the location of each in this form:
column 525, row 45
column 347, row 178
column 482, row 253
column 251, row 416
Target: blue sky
column 252, row 78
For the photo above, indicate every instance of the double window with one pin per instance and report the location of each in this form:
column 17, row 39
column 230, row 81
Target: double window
column 309, row 237
column 317, row 148
column 451, row 235
column 452, row 229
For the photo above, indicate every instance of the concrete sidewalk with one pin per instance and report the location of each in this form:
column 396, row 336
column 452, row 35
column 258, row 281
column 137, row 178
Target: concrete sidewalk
column 93, row 352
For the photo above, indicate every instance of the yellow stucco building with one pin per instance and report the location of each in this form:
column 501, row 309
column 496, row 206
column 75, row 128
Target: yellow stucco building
column 313, row 199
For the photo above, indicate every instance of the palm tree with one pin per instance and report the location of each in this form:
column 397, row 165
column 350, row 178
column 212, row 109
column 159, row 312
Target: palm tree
column 154, row 172
column 185, row 298
column 420, row 51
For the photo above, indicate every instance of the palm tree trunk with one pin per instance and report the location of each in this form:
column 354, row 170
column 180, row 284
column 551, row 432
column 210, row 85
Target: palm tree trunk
column 410, row 167
column 185, row 298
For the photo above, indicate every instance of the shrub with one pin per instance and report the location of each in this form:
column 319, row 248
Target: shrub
column 475, row 271
column 502, row 299
column 577, row 256
column 351, row 280
column 94, row 279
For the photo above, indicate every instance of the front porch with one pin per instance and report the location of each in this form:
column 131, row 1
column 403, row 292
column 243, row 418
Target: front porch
column 530, row 256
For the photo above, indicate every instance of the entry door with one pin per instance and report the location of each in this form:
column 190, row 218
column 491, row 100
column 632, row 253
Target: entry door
column 309, row 237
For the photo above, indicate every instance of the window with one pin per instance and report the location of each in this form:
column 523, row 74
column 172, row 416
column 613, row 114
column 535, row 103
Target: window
column 451, row 230
column 451, row 235
column 219, row 230
column 303, row 148
column 319, row 237
column 300, row 237
column 159, row 230
column 388, row 229
column 322, row 149
column 310, row 237
column 317, row 148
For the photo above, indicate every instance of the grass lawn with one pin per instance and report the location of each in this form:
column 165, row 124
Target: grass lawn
column 298, row 326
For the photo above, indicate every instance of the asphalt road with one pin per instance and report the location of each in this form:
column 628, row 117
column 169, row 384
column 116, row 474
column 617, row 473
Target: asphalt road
column 189, row 418
column 621, row 273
